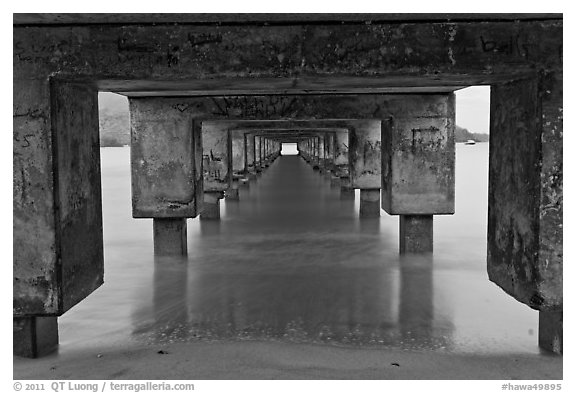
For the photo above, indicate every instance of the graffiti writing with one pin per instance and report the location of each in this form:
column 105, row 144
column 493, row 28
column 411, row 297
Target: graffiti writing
column 426, row 138
column 124, row 45
column 23, row 141
column 204, row 39
column 255, row 107
column 510, row 46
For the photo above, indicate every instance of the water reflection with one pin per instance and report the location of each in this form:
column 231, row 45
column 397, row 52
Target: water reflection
column 299, row 267
column 291, row 261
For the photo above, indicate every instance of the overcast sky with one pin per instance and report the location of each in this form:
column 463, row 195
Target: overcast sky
column 472, row 107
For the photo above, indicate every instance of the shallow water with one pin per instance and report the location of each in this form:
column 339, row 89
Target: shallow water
column 292, row 261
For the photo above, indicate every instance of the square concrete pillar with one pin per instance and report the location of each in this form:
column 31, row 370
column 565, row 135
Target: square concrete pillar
column 232, row 193
column 166, row 153
column 346, row 190
column 211, row 207
column 57, row 203
column 170, row 236
column 249, row 152
column 418, row 157
column 416, row 233
column 341, row 163
column 334, row 180
column 370, row 203
column 365, row 154
column 257, row 153
column 35, row 336
column 550, row 331
column 216, row 156
column 238, row 153
column 525, row 191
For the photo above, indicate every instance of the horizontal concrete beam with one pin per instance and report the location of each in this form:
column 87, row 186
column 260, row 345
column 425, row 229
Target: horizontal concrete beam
column 443, row 53
column 264, row 18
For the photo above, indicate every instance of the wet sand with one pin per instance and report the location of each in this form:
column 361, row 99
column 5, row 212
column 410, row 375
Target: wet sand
column 250, row 360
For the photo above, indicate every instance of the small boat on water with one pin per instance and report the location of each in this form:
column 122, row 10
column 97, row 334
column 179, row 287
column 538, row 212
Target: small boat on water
column 470, row 142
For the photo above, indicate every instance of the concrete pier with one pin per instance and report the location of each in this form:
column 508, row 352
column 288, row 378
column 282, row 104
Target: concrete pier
column 416, row 233
column 370, row 203
column 35, row 336
column 170, row 236
column 186, row 74
column 211, row 209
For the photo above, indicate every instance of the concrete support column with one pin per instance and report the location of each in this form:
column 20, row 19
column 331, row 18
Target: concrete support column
column 334, row 180
column 170, row 236
column 346, row 190
column 550, row 329
column 211, row 209
column 321, row 152
column 35, row 336
column 57, row 212
column 525, row 198
column 416, row 233
column 232, row 193
column 370, row 203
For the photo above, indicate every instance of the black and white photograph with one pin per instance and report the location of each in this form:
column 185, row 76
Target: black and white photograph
column 287, row 196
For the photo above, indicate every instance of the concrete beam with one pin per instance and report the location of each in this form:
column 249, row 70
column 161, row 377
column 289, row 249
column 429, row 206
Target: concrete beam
column 124, row 57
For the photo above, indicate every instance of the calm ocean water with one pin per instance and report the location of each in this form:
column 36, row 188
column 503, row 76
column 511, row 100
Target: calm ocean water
column 291, row 261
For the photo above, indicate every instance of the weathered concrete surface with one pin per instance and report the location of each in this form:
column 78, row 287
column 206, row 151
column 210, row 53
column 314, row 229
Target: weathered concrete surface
column 170, row 236
column 250, row 152
column 217, row 156
column 416, row 234
column 550, row 331
column 364, row 154
column 57, row 238
column 238, row 152
column 341, row 143
column 164, row 151
column 261, row 18
column 122, row 57
column 330, row 138
column 370, row 203
column 258, row 153
column 233, row 193
column 35, row 336
column 525, row 191
column 418, row 157
column 211, row 206
column 35, row 249
column 79, row 192
column 320, row 140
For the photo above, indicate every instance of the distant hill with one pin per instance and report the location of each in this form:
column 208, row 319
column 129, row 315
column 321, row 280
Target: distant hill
column 462, row 135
